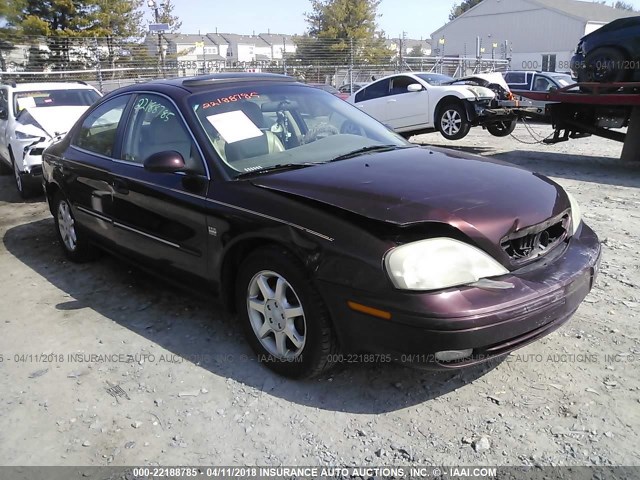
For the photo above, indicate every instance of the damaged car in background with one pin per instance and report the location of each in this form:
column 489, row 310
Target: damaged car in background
column 324, row 231
column 414, row 103
column 32, row 116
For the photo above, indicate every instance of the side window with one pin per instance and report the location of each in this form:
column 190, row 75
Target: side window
column 98, row 131
column 541, row 84
column 377, row 90
column 156, row 126
column 399, row 84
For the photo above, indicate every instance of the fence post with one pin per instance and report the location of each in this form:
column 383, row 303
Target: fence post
column 284, row 55
column 99, row 65
column 351, row 64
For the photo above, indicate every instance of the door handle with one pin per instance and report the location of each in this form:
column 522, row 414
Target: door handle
column 120, row 186
column 393, row 100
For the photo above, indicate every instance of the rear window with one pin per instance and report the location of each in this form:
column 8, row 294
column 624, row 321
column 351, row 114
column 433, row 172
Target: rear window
column 516, row 78
column 54, row 98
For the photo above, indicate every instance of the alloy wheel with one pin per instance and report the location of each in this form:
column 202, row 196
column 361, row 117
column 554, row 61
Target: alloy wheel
column 276, row 315
column 451, row 122
column 66, row 226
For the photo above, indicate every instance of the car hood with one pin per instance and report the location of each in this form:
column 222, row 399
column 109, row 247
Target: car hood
column 484, row 79
column 56, row 120
column 484, row 199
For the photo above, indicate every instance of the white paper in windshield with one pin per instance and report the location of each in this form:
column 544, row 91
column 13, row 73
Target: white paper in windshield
column 26, row 102
column 234, row 126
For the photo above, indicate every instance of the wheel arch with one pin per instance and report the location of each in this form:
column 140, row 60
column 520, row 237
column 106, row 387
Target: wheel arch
column 449, row 99
column 235, row 253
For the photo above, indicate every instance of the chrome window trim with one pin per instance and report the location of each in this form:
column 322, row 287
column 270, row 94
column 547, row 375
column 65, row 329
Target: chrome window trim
column 126, row 162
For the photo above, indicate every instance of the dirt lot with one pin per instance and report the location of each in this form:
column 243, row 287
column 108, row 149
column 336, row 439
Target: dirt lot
column 190, row 392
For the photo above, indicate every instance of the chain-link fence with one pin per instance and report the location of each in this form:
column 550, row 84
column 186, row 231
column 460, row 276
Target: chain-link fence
column 109, row 63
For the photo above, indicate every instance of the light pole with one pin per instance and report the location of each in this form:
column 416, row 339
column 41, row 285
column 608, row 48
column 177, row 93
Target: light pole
column 441, row 43
column 154, row 5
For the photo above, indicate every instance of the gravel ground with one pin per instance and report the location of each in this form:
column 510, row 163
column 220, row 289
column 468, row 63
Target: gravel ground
column 180, row 385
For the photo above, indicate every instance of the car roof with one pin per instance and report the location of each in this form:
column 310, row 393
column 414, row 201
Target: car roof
column 201, row 82
column 28, row 87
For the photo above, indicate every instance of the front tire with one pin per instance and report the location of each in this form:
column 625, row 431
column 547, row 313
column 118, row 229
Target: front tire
column 24, row 190
column 452, row 122
column 502, row 129
column 283, row 316
column 73, row 240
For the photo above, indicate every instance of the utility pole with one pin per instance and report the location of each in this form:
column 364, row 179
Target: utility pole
column 153, row 5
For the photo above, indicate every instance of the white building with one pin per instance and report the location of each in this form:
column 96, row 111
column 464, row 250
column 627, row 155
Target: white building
column 247, row 49
column 280, row 45
column 541, row 34
column 188, row 54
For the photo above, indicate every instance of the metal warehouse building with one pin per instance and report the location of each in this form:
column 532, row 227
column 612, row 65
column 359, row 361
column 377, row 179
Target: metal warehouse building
column 535, row 34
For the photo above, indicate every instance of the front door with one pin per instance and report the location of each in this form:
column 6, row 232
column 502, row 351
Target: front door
column 160, row 216
column 406, row 109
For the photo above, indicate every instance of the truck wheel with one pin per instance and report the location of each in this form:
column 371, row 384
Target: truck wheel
column 502, row 129
column 604, row 65
column 452, row 122
column 283, row 316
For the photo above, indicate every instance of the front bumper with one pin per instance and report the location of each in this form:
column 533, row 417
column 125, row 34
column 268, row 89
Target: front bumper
column 491, row 322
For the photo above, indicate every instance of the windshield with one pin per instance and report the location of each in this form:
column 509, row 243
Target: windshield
column 54, row 98
column 326, row 88
column 255, row 129
column 434, row 78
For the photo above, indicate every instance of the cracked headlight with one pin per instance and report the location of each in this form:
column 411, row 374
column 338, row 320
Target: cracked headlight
column 439, row 263
column 25, row 136
column 576, row 214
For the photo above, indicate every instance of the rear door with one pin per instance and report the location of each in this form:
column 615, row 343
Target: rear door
column 160, row 217
column 373, row 100
column 87, row 169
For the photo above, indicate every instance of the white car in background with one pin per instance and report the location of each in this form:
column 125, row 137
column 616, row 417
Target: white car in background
column 420, row 102
column 32, row 115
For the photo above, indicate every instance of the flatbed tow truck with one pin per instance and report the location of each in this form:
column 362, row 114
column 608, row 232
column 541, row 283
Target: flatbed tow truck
column 586, row 109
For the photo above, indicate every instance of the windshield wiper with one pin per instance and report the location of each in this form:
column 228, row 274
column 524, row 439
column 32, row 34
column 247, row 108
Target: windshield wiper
column 370, row 148
column 275, row 168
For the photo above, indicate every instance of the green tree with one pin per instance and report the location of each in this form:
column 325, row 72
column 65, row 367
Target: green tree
column 116, row 22
column 342, row 31
column 618, row 5
column 465, row 5
column 165, row 15
column 624, row 6
column 416, row 51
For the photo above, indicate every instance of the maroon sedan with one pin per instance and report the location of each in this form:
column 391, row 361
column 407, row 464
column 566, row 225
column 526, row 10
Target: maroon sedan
column 328, row 234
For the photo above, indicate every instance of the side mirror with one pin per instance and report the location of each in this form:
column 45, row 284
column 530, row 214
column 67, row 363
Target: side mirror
column 169, row 161
column 414, row 87
column 3, row 113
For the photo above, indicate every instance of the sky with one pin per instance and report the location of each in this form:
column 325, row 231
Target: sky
column 418, row 18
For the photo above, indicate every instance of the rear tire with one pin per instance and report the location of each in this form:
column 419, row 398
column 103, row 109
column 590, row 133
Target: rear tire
column 283, row 316
column 603, row 65
column 72, row 238
column 502, row 129
column 452, row 121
